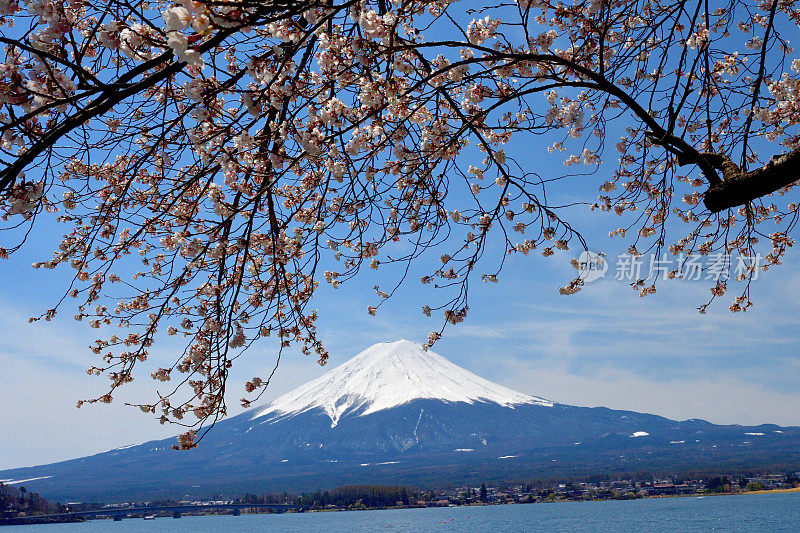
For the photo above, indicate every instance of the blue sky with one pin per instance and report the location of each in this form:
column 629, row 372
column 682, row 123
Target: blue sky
column 603, row 346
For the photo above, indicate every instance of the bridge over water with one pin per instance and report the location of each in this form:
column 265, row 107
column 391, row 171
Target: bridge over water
column 119, row 513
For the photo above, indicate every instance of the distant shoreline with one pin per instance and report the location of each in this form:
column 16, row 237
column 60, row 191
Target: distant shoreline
column 766, row 491
column 22, row 521
column 703, row 495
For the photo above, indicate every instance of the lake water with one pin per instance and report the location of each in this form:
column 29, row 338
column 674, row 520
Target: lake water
column 750, row 513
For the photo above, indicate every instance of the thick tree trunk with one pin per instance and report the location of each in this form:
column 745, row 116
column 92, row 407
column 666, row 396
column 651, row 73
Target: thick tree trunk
column 737, row 187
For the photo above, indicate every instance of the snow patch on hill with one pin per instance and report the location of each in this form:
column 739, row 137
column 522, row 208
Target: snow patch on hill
column 18, row 481
column 387, row 375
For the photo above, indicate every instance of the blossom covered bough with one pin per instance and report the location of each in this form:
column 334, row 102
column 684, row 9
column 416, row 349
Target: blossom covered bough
column 213, row 161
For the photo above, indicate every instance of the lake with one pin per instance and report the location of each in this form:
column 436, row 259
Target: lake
column 755, row 512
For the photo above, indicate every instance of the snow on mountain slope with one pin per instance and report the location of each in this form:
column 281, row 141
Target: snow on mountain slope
column 389, row 374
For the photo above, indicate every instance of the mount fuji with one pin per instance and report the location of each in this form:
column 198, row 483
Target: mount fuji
column 388, row 375
column 398, row 414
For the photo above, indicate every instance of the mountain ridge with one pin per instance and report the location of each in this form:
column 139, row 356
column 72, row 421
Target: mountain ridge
column 377, row 436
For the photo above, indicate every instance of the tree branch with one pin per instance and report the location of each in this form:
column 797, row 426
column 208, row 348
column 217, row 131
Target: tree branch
column 737, row 188
column 113, row 95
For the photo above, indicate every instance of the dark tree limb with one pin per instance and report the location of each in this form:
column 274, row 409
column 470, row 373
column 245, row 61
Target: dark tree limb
column 737, row 187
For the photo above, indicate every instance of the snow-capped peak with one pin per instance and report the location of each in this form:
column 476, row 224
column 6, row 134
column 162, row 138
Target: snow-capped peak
column 389, row 374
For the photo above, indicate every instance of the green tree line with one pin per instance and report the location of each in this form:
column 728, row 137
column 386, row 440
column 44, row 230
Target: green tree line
column 359, row 496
